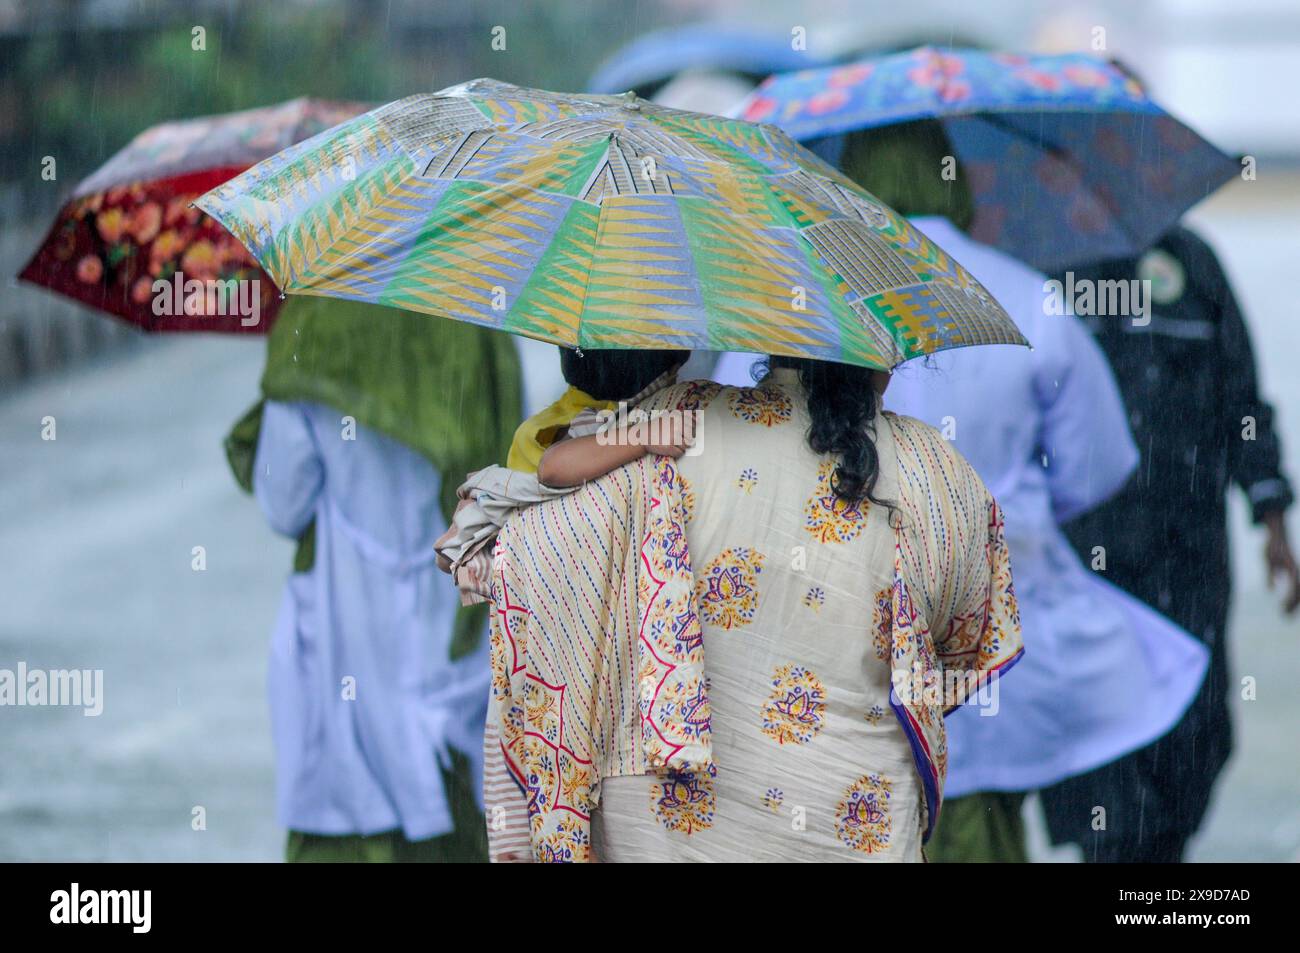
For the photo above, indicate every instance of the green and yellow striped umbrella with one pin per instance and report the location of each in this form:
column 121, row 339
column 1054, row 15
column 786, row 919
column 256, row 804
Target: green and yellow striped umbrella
column 603, row 222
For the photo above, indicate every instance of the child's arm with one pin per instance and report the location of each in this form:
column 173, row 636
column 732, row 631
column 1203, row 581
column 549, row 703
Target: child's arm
column 574, row 461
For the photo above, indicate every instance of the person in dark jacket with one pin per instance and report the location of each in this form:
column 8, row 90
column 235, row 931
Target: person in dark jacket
column 1187, row 374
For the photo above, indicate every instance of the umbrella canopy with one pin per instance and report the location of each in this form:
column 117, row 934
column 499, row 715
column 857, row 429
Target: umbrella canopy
column 654, row 59
column 1067, row 158
column 603, row 222
column 131, row 223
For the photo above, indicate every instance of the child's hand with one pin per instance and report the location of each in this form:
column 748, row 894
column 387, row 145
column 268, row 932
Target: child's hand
column 676, row 433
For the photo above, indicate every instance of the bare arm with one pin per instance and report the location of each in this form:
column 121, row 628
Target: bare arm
column 575, row 461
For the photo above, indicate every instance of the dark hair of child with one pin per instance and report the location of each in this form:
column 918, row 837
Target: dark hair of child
column 616, row 374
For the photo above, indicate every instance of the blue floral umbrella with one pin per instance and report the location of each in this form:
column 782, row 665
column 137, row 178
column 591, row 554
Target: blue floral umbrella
column 1068, row 159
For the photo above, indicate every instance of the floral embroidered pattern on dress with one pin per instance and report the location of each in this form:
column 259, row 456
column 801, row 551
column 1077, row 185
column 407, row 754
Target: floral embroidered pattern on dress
column 689, row 698
column 569, row 843
column 684, row 801
column 747, row 480
column 796, row 709
column 827, row 517
column 882, row 623
column 688, row 497
column 862, row 819
column 676, row 553
column 698, row 394
column 903, row 626
column 727, row 588
column 767, row 405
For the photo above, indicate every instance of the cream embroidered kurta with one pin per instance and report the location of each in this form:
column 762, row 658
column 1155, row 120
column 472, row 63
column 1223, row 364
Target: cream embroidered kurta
column 810, row 610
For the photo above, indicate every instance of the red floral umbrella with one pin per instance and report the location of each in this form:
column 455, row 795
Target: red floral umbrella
column 128, row 241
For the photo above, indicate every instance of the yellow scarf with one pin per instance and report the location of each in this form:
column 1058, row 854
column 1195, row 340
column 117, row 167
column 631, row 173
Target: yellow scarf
column 540, row 430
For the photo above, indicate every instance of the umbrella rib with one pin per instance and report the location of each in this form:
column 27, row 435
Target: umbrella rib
column 595, row 246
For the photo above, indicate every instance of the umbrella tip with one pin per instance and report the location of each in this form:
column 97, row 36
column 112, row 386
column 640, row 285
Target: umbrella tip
column 630, row 100
column 283, row 296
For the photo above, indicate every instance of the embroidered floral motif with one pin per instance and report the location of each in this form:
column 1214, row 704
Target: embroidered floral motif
column 797, row 706
column 542, row 709
column 1003, row 608
column 569, row 843
column 687, row 697
column 882, row 623
column 692, row 700
column 684, row 624
column 500, row 668
column 773, row 798
column 515, row 718
column 575, row 780
column 728, row 588
column 903, row 617
column 504, row 643
column 552, row 775
column 815, row 598
column 673, row 703
column 688, row 498
column 874, row 714
column 767, row 405
column 684, row 800
column 862, row 819
column 827, row 517
column 676, row 552
column 538, row 785
column 964, row 633
column 698, row 394
column 747, row 480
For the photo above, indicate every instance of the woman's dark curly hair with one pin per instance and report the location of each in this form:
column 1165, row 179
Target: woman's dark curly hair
column 842, row 404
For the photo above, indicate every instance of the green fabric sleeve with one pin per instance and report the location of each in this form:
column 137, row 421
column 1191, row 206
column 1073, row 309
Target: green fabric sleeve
column 241, row 445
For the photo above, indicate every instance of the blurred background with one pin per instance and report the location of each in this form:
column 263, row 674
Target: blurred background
column 97, row 527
